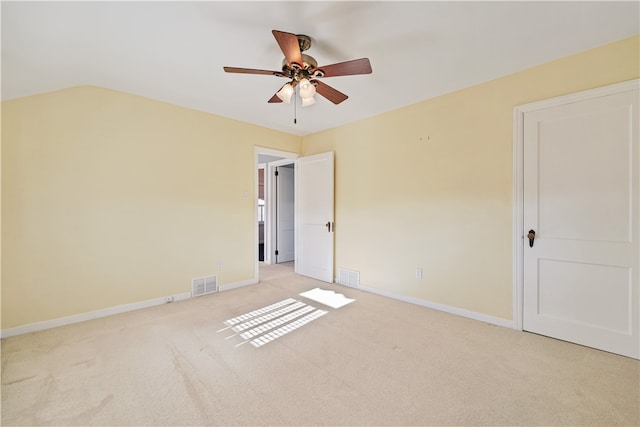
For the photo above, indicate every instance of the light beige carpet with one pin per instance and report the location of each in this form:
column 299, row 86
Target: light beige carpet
column 375, row 361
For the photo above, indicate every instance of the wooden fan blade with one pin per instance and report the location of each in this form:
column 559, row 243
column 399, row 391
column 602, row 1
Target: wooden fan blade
column 274, row 99
column 330, row 93
column 289, row 45
column 252, row 71
column 348, row 68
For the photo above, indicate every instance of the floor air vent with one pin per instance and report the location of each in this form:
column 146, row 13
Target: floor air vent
column 204, row 285
column 348, row 277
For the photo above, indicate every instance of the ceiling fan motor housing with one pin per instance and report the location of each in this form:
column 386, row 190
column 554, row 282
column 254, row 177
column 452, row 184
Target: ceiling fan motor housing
column 308, row 63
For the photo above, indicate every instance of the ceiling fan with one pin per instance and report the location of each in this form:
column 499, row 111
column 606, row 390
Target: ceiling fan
column 304, row 72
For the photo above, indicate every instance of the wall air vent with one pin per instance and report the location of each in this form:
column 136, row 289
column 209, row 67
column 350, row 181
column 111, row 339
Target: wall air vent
column 204, row 285
column 348, row 277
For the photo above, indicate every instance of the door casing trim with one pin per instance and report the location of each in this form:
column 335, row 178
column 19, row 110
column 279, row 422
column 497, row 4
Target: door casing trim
column 518, row 178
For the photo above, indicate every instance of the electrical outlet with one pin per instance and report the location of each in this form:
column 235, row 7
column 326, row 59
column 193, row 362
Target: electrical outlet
column 418, row 273
column 219, row 266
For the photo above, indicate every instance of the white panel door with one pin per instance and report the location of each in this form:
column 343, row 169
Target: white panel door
column 285, row 214
column 581, row 191
column 314, row 216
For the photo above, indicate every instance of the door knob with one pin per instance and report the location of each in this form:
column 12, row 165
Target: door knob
column 531, row 236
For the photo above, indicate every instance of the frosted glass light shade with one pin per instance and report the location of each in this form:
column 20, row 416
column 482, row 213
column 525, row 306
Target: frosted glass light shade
column 285, row 93
column 308, row 101
column 307, row 89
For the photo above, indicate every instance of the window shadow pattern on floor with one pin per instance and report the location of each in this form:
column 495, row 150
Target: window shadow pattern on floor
column 264, row 325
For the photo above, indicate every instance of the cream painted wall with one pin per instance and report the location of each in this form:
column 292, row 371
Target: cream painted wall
column 430, row 185
column 109, row 199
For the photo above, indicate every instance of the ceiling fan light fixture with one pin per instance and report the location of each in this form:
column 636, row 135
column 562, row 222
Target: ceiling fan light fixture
column 303, row 70
column 307, row 89
column 285, row 93
column 308, row 101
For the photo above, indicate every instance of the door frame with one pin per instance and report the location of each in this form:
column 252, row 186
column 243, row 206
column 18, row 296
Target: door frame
column 518, row 179
column 257, row 151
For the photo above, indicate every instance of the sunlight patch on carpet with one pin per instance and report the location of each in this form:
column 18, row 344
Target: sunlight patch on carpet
column 290, row 327
column 330, row 298
column 269, row 323
column 258, row 312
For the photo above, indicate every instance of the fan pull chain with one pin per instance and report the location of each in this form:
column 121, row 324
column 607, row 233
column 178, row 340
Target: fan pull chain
column 295, row 105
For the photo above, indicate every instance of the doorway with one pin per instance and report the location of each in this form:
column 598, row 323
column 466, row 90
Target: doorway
column 311, row 223
column 270, row 207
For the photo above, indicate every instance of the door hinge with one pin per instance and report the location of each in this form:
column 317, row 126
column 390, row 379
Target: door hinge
column 276, row 252
column 276, row 172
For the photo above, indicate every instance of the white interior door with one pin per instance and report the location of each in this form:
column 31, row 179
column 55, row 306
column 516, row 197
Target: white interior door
column 314, row 216
column 581, row 192
column 285, row 214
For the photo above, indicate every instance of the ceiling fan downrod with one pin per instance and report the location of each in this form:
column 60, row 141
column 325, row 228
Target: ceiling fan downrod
column 304, row 42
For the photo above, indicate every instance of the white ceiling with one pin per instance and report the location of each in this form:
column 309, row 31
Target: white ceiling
column 175, row 51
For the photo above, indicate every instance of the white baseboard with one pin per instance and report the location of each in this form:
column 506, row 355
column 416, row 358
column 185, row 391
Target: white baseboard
column 237, row 285
column 82, row 317
column 77, row 318
column 436, row 306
